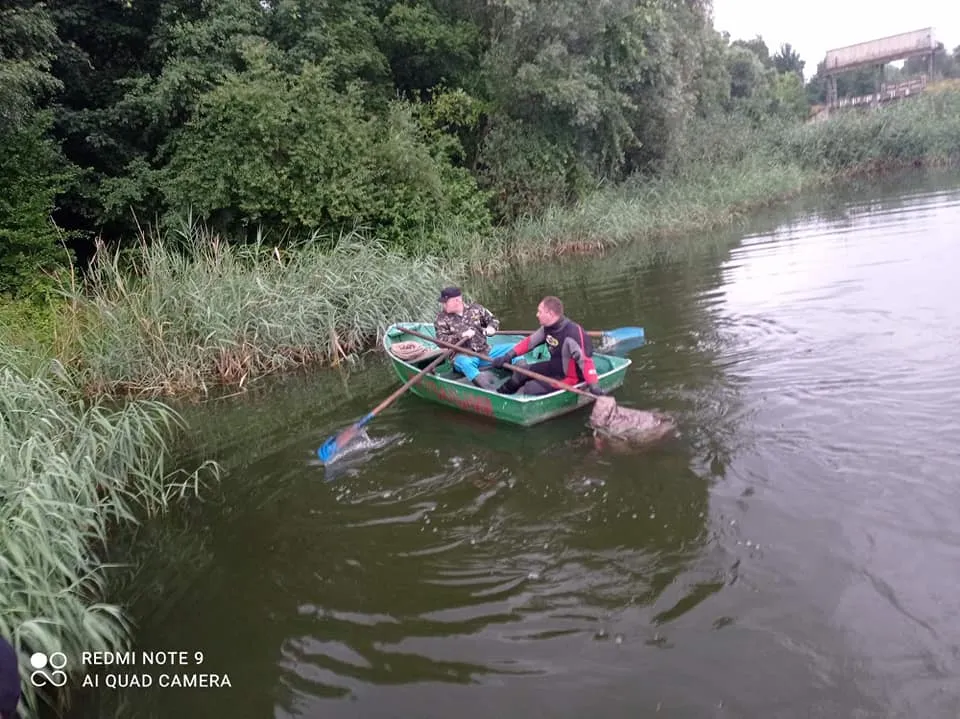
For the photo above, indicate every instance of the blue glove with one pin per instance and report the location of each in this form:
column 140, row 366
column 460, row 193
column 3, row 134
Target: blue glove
column 596, row 390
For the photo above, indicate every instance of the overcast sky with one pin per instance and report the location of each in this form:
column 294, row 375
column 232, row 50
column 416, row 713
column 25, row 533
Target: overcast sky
column 815, row 26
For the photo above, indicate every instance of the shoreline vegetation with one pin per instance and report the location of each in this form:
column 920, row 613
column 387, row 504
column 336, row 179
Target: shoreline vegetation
column 332, row 182
column 71, row 472
column 184, row 313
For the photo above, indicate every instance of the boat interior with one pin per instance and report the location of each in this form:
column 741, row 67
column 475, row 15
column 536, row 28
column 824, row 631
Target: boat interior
column 446, row 370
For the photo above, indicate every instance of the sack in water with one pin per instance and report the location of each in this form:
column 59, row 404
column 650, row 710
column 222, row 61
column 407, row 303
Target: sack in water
column 633, row 425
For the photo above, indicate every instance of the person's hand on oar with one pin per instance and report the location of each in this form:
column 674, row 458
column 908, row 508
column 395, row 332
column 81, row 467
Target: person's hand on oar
column 618, row 341
column 333, row 446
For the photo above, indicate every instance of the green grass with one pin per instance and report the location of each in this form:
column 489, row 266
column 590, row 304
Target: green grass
column 925, row 129
column 30, row 326
column 638, row 212
column 70, row 470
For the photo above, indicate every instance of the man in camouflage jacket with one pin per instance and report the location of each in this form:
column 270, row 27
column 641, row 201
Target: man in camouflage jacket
column 475, row 321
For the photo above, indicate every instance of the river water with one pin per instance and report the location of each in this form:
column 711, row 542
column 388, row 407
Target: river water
column 794, row 552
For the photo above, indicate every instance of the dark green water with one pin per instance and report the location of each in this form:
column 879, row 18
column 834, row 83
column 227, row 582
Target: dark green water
column 793, row 553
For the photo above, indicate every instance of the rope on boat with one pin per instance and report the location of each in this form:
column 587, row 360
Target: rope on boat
column 413, row 351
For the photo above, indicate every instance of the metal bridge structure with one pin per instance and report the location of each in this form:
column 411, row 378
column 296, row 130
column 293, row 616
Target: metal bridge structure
column 877, row 53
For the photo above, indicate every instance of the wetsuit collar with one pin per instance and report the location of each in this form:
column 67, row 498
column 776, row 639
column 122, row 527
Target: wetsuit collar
column 556, row 326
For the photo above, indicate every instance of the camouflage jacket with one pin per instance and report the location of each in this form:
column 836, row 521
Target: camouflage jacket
column 449, row 327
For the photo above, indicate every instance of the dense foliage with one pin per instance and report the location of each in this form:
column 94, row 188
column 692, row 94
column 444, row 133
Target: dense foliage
column 396, row 118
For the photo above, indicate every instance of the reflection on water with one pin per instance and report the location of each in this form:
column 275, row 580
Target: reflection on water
column 790, row 554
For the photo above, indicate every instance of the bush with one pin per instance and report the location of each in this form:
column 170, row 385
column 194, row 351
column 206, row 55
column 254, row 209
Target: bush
column 524, row 172
column 290, row 153
column 31, row 174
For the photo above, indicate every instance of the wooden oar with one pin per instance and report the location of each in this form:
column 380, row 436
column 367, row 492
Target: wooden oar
column 617, row 334
column 336, row 443
column 550, row 381
column 592, row 333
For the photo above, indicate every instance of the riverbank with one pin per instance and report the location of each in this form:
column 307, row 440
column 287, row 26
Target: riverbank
column 176, row 322
column 727, row 170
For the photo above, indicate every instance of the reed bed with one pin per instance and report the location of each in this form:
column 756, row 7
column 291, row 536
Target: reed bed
column 184, row 317
column 642, row 213
column 924, row 130
column 70, row 471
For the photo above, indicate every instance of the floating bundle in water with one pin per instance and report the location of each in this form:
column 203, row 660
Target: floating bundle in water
column 632, row 425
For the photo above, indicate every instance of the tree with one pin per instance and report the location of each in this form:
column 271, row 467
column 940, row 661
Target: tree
column 27, row 41
column 292, row 152
column 747, row 74
column 758, row 47
column 32, row 171
column 788, row 60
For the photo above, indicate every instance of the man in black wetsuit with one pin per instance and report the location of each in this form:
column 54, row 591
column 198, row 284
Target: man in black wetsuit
column 571, row 353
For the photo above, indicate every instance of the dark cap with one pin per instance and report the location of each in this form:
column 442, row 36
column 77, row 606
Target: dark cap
column 9, row 679
column 449, row 293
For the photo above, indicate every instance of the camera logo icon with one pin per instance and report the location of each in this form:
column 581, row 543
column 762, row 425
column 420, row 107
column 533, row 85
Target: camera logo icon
column 48, row 670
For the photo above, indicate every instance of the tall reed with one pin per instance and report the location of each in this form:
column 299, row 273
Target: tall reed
column 70, row 470
column 653, row 209
column 182, row 317
column 923, row 130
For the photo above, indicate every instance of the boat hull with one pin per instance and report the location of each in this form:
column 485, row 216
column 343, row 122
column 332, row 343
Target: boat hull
column 447, row 387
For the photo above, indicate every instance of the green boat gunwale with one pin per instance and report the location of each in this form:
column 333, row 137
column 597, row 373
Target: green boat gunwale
column 452, row 389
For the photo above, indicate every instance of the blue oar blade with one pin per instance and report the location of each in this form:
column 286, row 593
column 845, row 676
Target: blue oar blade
column 329, row 449
column 623, row 334
column 622, row 340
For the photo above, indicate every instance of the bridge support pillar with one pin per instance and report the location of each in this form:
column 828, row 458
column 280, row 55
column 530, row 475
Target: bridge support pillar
column 831, row 92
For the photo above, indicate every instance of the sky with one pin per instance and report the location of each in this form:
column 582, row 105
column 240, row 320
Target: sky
column 815, row 26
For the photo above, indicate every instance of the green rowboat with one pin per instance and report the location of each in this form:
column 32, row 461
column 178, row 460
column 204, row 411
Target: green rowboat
column 446, row 386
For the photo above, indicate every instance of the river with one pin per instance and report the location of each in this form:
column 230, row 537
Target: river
column 792, row 553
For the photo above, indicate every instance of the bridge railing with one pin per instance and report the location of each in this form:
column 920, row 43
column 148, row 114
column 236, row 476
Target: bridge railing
column 887, row 93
